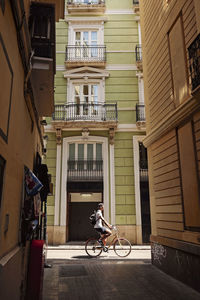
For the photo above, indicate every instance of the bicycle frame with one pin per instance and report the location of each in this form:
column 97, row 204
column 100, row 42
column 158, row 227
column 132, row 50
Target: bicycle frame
column 116, row 237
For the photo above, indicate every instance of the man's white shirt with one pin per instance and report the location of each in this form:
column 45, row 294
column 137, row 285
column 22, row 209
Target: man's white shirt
column 99, row 218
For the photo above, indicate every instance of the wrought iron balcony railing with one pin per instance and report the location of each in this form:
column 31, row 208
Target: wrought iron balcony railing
column 140, row 113
column 194, row 62
column 138, row 53
column 88, row 112
column 85, row 170
column 85, row 2
column 85, row 53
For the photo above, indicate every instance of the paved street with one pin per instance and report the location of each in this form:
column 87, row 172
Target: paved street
column 75, row 276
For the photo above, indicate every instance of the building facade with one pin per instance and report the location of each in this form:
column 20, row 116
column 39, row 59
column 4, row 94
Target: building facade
column 26, row 95
column 170, row 36
column 94, row 149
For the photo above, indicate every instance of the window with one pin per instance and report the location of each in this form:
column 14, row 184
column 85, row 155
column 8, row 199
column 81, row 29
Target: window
column 85, row 156
column 189, row 176
column 86, row 43
column 86, row 100
column 2, row 168
column 86, row 93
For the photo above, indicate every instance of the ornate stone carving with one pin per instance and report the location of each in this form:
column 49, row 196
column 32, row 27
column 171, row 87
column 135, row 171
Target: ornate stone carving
column 85, row 133
column 58, row 136
column 111, row 136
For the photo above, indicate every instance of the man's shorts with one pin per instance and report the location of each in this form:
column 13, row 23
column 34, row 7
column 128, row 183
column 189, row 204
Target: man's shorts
column 102, row 230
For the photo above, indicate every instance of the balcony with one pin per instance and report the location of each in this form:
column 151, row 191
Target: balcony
column 138, row 57
column 85, row 170
column 80, row 7
column 82, row 115
column 136, row 6
column 77, row 56
column 194, row 65
column 104, row 114
column 140, row 115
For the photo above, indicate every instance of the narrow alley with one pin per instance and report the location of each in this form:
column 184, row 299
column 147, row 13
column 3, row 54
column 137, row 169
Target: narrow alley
column 74, row 276
column 99, row 142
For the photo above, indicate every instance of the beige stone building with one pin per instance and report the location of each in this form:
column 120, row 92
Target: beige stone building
column 171, row 56
column 27, row 60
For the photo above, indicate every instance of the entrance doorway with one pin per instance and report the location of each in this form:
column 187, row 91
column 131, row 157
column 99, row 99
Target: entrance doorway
column 81, row 205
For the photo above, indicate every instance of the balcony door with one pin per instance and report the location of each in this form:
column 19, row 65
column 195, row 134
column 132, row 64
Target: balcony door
column 86, row 42
column 85, row 162
column 86, row 98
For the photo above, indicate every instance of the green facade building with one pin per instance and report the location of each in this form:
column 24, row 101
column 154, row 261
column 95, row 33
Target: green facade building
column 94, row 139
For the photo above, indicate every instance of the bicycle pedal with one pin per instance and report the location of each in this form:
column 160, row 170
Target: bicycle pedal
column 105, row 249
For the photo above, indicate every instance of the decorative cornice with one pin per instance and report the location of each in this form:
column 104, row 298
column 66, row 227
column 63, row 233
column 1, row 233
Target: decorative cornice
column 119, row 12
column 114, row 67
column 120, row 128
column 86, row 19
column 172, row 120
column 121, row 67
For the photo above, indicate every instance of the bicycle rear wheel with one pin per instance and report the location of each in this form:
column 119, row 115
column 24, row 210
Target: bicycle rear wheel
column 93, row 248
column 122, row 247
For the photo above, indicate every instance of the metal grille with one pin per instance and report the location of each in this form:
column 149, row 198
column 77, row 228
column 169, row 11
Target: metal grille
column 86, row 53
column 85, row 170
column 140, row 113
column 138, row 53
column 87, row 112
column 194, row 62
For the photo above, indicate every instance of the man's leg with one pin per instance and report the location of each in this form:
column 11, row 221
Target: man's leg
column 105, row 236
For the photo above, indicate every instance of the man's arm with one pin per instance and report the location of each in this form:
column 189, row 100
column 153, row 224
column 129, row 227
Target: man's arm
column 107, row 224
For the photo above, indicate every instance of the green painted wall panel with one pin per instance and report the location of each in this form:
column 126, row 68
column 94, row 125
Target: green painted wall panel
column 125, row 209
column 118, row 4
column 123, row 81
column 50, row 210
column 127, row 117
column 115, row 24
column 50, row 220
column 130, row 199
column 120, row 220
column 131, row 220
column 124, row 171
column 60, row 58
column 123, row 58
column 128, row 88
column 120, row 199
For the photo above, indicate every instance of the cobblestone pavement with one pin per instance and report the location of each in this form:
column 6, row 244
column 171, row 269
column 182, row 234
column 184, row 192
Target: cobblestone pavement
column 78, row 277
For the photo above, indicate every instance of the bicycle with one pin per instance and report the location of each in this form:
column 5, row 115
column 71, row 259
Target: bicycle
column 121, row 246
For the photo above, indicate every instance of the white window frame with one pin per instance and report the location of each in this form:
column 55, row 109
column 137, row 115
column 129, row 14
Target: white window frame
column 63, row 204
column 86, row 26
column 72, row 82
column 85, row 149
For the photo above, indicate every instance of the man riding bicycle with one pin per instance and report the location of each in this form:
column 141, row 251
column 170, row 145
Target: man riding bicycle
column 104, row 231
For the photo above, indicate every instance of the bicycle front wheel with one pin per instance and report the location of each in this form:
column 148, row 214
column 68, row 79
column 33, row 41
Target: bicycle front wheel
column 122, row 247
column 93, row 248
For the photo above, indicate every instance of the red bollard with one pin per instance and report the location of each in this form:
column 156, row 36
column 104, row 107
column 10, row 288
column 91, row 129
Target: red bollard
column 35, row 271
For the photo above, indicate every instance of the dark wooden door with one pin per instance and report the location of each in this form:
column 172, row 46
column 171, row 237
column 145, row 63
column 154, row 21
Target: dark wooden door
column 80, row 228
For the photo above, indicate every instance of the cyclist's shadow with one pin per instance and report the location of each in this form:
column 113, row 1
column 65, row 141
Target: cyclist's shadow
column 86, row 257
